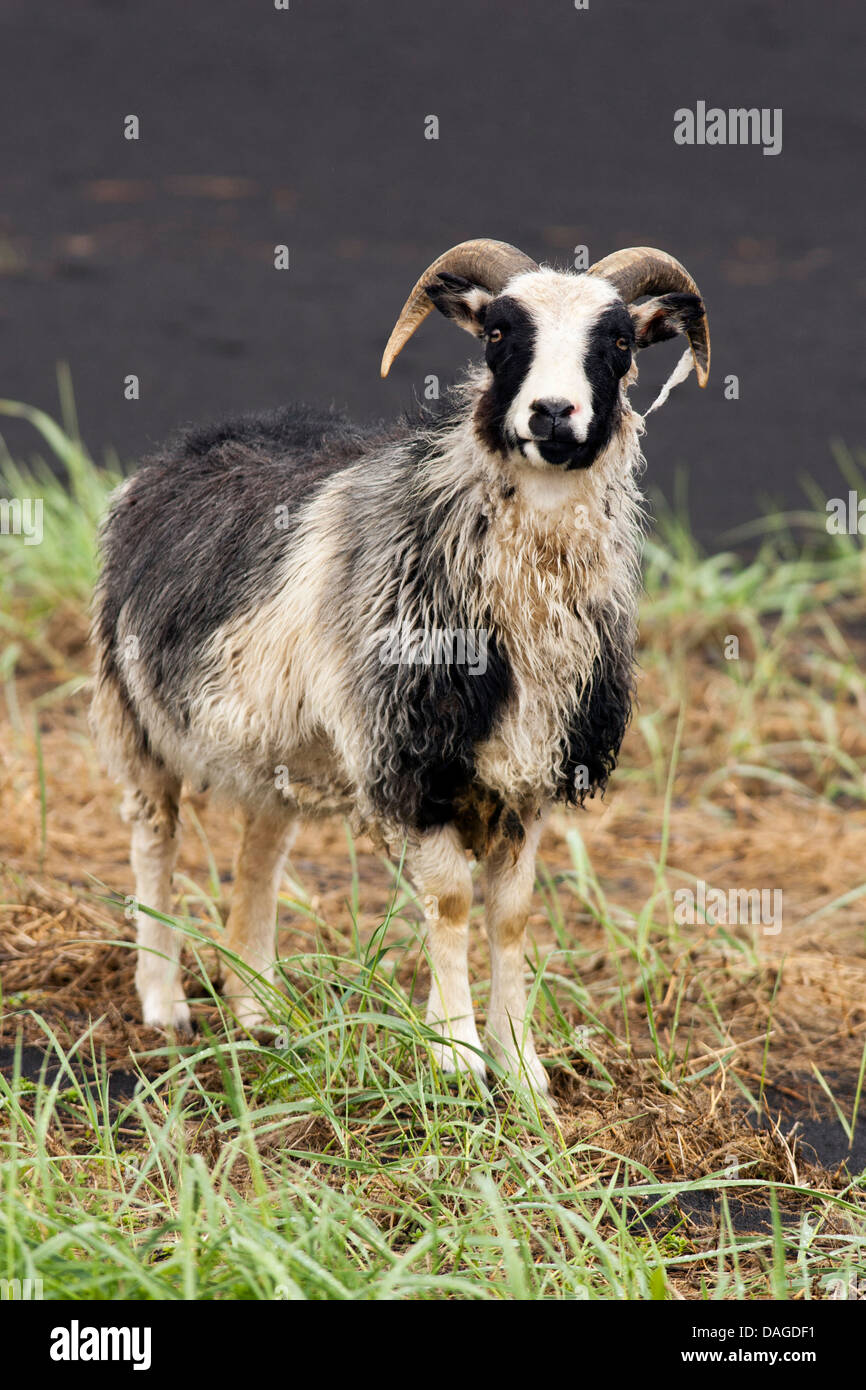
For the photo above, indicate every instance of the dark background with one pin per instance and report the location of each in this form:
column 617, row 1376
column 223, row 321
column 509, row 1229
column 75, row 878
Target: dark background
column 306, row 127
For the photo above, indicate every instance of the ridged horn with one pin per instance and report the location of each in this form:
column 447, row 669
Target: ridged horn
column 641, row 270
column 490, row 264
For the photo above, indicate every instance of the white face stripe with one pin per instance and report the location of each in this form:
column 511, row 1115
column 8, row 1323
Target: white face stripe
column 564, row 309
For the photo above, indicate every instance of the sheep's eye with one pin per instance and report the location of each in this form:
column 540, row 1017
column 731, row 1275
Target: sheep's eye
column 495, row 335
column 622, row 344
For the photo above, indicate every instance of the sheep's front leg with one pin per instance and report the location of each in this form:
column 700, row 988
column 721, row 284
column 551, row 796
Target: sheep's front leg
column 442, row 874
column 508, row 898
column 252, row 917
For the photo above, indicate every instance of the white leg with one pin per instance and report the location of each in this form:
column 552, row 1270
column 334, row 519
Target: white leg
column 442, row 874
column 508, row 898
column 252, row 918
column 154, row 850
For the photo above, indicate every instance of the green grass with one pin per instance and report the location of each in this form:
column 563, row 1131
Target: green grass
column 36, row 580
column 336, row 1162
column 206, row 1184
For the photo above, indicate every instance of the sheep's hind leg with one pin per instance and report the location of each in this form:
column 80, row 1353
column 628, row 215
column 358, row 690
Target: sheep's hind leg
column 444, row 881
column 153, row 814
column 251, row 924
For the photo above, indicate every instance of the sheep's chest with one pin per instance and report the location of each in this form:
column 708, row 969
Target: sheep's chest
column 553, row 585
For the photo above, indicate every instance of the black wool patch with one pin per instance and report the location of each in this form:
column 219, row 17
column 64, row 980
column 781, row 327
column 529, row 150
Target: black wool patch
column 593, row 740
column 430, row 715
column 437, row 716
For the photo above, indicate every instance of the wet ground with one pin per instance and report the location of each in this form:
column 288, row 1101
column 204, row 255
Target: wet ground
column 306, row 126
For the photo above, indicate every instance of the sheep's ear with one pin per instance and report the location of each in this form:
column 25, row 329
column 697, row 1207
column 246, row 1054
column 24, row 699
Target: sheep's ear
column 664, row 317
column 460, row 300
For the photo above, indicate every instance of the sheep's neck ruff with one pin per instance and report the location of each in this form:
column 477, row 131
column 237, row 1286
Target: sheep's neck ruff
column 555, row 578
column 557, row 547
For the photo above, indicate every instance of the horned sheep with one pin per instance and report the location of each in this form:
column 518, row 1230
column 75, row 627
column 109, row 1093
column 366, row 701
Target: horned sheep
column 281, row 598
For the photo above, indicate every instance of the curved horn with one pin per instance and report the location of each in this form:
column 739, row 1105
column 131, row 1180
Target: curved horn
column 644, row 270
column 490, row 264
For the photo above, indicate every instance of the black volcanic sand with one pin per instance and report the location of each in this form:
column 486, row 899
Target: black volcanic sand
column 306, row 127
column 814, row 1133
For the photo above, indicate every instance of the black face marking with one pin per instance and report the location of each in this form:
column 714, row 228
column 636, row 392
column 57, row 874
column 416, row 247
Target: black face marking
column 605, row 364
column 509, row 360
column 195, row 537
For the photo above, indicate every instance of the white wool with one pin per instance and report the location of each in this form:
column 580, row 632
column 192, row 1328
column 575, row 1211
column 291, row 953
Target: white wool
column 678, row 375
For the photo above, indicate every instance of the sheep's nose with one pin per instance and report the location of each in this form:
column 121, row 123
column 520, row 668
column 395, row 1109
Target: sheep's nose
column 547, row 414
column 553, row 406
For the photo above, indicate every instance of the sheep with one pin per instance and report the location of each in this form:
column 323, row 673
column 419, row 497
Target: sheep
column 264, row 584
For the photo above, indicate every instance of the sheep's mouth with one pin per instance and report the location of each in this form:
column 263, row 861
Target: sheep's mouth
column 556, row 450
column 564, row 453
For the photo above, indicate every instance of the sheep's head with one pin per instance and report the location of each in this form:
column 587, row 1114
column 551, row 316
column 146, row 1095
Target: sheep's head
column 557, row 345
